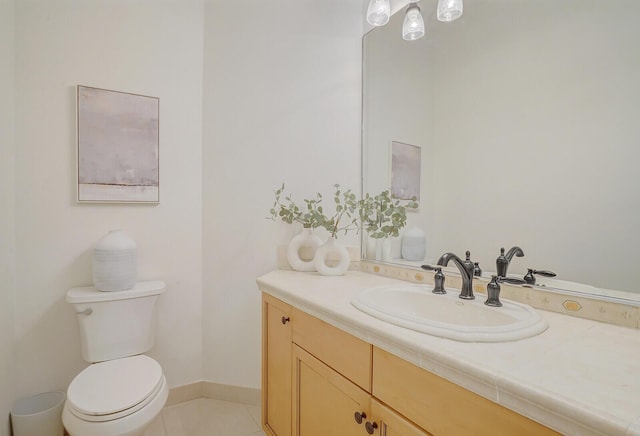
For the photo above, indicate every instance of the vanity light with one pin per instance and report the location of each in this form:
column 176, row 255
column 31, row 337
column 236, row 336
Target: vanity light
column 378, row 12
column 449, row 10
column 413, row 25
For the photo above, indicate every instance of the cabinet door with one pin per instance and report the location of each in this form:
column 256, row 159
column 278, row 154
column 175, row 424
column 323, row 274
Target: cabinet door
column 324, row 402
column 276, row 366
column 391, row 423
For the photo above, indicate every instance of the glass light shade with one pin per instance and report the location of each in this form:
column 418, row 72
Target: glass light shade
column 413, row 25
column 449, row 10
column 378, row 12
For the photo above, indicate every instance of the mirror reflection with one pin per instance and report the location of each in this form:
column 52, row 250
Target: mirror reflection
column 526, row 113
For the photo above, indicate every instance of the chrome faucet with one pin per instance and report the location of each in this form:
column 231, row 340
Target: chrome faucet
column 466, row 272
column 503, row 261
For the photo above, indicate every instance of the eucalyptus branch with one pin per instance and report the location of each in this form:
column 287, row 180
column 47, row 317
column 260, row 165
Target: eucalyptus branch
column 383, row 216
column 290, row 212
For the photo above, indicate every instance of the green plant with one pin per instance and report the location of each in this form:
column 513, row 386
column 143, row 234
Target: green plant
column 383, row 216
column 312, row 215
column 346, row 207
column 289, row 212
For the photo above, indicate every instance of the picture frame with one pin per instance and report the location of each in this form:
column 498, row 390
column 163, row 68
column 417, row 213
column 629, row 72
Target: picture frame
column 405, row 171
column 118, row 141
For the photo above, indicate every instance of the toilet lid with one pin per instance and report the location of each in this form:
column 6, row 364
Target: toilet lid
column 115, row 385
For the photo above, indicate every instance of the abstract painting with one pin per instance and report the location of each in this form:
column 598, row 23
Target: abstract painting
column 118, row 146
column 405, row 171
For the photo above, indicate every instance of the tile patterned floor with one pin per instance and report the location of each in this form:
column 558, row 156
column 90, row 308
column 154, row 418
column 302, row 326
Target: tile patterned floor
column 207, row 417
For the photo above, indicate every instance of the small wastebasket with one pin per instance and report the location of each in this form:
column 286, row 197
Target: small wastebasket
column 39, row 415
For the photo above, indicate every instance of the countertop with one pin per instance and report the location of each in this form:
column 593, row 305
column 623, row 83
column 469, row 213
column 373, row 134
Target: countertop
column 579, row 377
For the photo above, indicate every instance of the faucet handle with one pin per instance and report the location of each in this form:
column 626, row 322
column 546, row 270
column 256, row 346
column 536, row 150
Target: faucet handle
column 511, row 280
column 493, row 289
column 438, row 278
column 531, row 280
column 477, row 271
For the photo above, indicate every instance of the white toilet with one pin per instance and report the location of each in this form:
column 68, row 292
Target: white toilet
column 123, row 390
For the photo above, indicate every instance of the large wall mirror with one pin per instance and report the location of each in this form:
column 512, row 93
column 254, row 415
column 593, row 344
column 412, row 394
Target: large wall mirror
column 527, row 113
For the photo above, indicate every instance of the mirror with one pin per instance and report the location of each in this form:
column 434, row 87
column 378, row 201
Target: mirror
column 527, row 113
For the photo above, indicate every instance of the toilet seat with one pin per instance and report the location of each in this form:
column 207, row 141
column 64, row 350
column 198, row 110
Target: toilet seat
column 114, row 389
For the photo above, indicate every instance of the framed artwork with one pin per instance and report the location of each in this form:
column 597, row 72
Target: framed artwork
column 405, row 171
column 118, row 146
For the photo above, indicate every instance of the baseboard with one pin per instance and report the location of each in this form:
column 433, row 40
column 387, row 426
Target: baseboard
column 183, row 393
column 237, row 394
column 191, row 391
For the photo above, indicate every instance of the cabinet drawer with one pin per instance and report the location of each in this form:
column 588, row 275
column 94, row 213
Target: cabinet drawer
column 341, row 351
column 442, row 407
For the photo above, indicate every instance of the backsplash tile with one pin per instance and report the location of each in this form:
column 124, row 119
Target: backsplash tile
column 572, row 305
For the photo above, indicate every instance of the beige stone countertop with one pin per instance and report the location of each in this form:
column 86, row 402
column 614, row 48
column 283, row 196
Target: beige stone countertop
column 579, row 377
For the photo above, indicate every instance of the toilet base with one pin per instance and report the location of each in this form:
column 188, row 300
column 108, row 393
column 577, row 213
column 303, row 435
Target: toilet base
column 131, row 425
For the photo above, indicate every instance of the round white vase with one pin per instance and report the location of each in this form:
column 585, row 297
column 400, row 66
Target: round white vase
column 114, row 262
column 414, row 243
column 306, row 238
column 327, row 251
column 383, row 249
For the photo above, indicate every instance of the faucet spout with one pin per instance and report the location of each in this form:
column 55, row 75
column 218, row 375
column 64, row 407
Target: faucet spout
column 517, row 251
column 503, row 261
column 466, row 293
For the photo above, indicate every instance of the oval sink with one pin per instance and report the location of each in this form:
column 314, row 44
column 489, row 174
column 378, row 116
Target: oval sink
column 447, row 316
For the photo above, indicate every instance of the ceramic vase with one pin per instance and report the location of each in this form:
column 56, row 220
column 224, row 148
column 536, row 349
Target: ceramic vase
column 414, row 243
column 114, row 262
column 325, row 255
column 306, row 238
column 383, row 249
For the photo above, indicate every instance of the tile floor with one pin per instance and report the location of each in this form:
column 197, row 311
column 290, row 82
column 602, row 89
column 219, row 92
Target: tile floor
column 207, row 417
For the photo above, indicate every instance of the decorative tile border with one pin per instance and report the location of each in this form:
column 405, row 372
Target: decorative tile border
column 572, row 305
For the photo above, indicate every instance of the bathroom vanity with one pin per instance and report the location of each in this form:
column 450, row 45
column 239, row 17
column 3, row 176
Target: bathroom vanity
column 329, row 368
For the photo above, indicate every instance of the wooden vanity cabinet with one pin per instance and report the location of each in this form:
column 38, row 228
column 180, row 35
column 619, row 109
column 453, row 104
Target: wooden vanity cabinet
column 324, row 402
column 442, row 407
column 276, row 366
column 320, row 380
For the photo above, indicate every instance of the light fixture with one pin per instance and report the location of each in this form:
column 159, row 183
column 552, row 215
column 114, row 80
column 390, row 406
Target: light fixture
column 378, row 12
column 413, row 24
column 449, row 10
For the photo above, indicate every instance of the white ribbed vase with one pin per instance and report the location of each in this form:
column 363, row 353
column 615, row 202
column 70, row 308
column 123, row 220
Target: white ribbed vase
column 331, row 250
column 114, row 262
column 306, row 238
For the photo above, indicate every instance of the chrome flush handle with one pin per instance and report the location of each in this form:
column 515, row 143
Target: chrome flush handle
column 88, row 311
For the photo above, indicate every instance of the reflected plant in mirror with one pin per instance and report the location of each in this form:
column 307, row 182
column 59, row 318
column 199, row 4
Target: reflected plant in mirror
column 383, row 216
column 526, row 113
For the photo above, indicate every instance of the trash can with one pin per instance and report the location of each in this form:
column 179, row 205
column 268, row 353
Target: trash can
column 39, row 415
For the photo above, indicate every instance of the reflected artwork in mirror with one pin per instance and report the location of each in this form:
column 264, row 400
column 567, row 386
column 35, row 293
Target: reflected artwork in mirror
column 527, row 117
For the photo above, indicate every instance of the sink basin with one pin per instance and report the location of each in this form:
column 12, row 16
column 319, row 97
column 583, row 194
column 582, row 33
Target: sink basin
column 415, row 307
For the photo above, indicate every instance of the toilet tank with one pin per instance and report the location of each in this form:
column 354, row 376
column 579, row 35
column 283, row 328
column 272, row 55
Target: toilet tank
column 116, row 324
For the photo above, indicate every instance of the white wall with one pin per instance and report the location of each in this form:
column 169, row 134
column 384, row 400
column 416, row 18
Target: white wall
column 7, row 214
column 281, row 103
column 147, row 47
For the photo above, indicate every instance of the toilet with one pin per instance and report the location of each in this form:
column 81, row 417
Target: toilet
column 123, row 390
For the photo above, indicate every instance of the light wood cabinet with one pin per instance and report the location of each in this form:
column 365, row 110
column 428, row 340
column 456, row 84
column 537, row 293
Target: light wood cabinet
column 320, row 380
column 324, row 402
column 392, row 423
column 442, row 407
column 276, row 366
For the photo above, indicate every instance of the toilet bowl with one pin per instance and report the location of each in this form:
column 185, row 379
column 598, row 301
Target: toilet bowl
column 116, row 397
column 123, row 390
